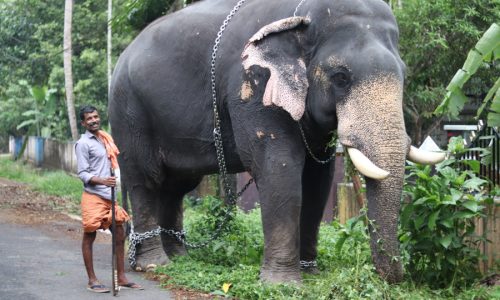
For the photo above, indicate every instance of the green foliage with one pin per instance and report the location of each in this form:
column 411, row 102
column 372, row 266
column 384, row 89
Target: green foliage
column 57, row 183
column 435, row 37
column 343, row 257
column 345, row 274
column 438, row 220
column 348, row 273
column 241, row 240
column 31, row 34
column 485, row 51
column 350, row 231
column 12, row 108
column 45, row 114
column 139, row 13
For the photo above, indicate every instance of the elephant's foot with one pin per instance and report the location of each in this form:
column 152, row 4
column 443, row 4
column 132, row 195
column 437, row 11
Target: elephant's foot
column 172, row 246
column 150, row 254
column 277, row 276
column 311, row 270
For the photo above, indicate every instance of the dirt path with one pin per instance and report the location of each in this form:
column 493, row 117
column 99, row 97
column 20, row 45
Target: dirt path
column 20, row 205
column 28, row 215
column 41, row 256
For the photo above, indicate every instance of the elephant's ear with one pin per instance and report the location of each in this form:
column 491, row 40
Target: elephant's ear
column 287, row 85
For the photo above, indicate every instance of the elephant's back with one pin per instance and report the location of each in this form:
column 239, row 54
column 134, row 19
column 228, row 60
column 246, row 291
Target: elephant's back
column 162, row 81
column 167, row 66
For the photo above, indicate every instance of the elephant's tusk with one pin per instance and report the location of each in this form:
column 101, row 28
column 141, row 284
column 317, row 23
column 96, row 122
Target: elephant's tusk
column 365, row 165
column 425, row 157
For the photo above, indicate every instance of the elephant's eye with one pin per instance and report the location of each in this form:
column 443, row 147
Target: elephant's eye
column 341, row 79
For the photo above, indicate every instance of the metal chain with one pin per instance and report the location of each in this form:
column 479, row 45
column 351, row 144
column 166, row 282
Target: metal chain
column 308, row 264
column 323, row 162
column 137, row 238
column 217, row 127
column 300, row 126
column 297, row 8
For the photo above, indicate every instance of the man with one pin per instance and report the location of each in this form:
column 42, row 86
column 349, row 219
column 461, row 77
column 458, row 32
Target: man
column 96, row 154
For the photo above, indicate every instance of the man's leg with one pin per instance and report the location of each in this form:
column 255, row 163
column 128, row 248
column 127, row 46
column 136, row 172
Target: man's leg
column 87, row 243
column 120, row 254
column 120, row 259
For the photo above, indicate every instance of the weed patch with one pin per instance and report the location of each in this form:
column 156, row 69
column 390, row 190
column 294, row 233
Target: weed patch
column 229, row 267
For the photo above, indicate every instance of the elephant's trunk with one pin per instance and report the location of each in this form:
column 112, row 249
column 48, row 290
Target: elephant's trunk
column 371, row 121
column 384, row 198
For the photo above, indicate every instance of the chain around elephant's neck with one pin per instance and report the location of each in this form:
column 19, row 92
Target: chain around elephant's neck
column 217, row 127
column 297, row 8
column 323, row 162
column 332, row 156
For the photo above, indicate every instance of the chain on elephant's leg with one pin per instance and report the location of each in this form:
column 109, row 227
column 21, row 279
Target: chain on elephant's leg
column 171, row 218
column 316, row 181
column 172, row 246
column 149, row 250
column 150, row 254
column 171, row 213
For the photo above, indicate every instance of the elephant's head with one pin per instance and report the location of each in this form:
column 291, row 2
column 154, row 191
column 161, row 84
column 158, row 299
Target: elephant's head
column 338, row 67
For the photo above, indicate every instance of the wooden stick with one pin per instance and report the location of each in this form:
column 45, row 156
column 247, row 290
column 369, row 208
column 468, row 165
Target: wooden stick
column 113, row 240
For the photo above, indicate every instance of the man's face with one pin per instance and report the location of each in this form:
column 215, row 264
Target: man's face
column 91, row 121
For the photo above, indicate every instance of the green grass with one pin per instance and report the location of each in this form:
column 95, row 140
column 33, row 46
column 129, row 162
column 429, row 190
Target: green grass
column 57, row 183
column 346, row 272
column 347, row 276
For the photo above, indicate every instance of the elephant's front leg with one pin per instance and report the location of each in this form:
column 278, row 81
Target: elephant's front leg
column 316, row 182
column 279, row 184
column 170, row 211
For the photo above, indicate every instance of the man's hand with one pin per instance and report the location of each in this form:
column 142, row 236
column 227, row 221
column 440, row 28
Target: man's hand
column 108, row 181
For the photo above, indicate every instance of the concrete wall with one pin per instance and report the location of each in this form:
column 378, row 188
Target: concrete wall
column 46, row 153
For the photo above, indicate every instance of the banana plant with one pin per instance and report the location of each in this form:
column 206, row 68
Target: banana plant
column 487, row 50
column 43, row 112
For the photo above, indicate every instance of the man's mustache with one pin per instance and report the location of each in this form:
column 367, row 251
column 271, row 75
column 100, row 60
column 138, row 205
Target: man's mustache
column 93, row 123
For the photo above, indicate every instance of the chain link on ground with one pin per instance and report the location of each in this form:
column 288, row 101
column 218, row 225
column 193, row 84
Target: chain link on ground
column 308, row 264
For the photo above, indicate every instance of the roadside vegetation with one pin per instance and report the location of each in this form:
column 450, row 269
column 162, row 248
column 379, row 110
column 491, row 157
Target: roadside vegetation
column 440, row 205
column 229, row 266
column 56, row 183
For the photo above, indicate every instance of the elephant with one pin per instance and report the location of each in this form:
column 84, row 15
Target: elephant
column 286, row 74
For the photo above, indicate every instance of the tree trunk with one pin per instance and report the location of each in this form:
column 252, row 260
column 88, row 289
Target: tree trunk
column 68, row 75
column 110, row 63
column 358, row 188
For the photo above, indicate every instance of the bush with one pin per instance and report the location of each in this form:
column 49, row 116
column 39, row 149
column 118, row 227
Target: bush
column 241, row 239
column 438, row 220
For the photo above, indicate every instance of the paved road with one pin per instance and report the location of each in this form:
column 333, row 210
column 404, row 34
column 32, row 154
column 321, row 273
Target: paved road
column 34, row 265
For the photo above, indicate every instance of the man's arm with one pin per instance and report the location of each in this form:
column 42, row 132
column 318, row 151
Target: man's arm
column 83, row 168
column 109, row 181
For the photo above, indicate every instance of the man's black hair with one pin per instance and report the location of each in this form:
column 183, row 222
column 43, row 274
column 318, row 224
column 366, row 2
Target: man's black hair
column 86, row 109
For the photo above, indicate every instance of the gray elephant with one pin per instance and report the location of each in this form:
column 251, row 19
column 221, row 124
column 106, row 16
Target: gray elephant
column 333, row 66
